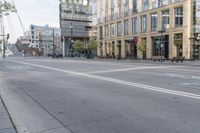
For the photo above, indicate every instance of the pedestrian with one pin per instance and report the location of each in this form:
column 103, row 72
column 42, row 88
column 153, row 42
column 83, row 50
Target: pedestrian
column 24, row 54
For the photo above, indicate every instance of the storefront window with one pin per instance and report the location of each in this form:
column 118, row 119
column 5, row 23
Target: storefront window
column 178, row 42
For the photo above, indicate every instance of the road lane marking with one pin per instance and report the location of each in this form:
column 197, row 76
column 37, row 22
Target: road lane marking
column 180, row 76
column 122, row 82
column 22, row 67
column 127, row 69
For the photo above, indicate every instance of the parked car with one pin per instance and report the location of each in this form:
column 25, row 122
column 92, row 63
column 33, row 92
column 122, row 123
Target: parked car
column 59, row 56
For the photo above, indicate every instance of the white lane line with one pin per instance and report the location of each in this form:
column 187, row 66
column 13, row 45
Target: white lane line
column 122, row 82
column 186, row 70
column 127, row 69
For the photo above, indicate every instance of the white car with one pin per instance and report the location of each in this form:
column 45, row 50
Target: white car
column 8, row 53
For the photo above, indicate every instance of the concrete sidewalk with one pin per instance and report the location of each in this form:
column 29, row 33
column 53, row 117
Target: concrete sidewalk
column 167, row 62
column 6, row 125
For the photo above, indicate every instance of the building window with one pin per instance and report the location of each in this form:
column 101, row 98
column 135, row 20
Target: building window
column 126, row 25
column 196, row 16
column 164, row 2
column 112, row 10
column 174, row 1
column 119, row 29
column 155, row 4
column 134, row 6
column 100, row 32
column 106, row 31
column 165, row 19
column 144, row 5
column 112, row 30
column 134, row 25
column 154, row 21
column 106, row 11
column 144, row 23
column 126, row 8
column 101, row 11
column 119, row 9
column 178, row 16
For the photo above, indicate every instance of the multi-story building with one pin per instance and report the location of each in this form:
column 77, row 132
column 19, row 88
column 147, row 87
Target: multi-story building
column 46, row 39
column 75, row 22
column 168, row 28
column 25, row 39
column 94, row 20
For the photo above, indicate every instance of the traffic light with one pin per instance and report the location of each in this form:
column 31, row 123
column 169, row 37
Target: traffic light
column 8, row 36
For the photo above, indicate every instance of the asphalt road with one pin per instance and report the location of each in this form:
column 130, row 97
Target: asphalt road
column 71, row 96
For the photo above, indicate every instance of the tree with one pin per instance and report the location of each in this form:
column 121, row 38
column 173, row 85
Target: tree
column 78, row 45
column 142, row 47
column 92, row 45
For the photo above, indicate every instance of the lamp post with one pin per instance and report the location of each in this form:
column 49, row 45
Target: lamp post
column 71, row 48
column 64, row 48
column 5, row 9
column 162, row 43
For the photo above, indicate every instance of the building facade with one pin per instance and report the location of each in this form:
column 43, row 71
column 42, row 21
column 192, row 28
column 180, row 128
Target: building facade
column 168, row 28
column 75, row 22
column 46, row 39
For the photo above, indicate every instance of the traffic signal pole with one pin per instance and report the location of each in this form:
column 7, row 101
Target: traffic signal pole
column 3, row 41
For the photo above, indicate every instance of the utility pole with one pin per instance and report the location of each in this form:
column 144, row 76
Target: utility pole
column 53, row 45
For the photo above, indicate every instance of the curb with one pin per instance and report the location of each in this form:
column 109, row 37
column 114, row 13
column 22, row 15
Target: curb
column 4, row 105
column 15, row 119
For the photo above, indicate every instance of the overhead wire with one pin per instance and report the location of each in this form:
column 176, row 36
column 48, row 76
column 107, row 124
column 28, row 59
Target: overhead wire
column 20, row 20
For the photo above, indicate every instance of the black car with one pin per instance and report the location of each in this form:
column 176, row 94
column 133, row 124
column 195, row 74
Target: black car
column 59, row 56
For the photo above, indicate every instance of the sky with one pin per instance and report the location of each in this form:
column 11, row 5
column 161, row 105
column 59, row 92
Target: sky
column 37, row 12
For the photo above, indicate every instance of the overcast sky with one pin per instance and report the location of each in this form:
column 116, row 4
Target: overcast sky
column 38, row 12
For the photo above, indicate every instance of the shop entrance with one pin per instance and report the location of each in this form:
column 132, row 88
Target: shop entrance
column 160, row 46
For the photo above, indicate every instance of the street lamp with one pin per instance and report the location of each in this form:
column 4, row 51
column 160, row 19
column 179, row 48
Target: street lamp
column 162, row 42
column 5, row 9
